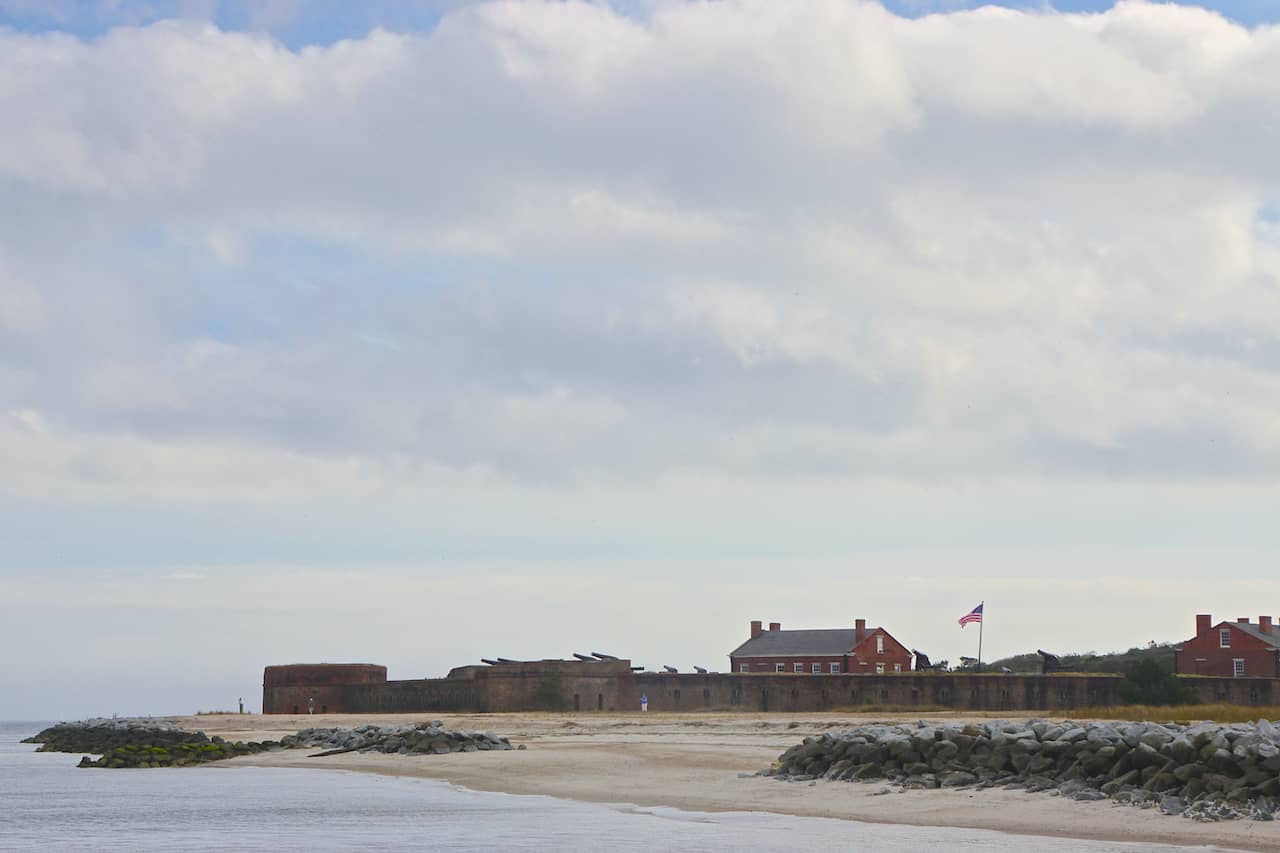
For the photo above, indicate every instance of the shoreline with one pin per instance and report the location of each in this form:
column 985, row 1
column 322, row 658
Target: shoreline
column 692, row 762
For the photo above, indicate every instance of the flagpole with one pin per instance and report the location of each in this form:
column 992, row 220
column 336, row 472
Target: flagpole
column 981, row 622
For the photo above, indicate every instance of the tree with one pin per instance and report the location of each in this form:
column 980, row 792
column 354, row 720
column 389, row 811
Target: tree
column 1147, row 682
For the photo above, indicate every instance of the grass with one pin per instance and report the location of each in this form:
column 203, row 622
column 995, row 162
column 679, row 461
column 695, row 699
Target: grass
column 893, row 709
column 1218, row 713
column 216, row 713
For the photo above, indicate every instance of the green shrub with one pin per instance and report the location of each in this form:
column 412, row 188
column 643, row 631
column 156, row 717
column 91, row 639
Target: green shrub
column 1147, row 682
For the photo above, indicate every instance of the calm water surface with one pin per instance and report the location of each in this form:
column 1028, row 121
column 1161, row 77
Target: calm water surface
column 46, row 803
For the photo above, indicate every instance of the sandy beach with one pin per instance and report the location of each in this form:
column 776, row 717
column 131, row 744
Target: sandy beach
column 693, row 761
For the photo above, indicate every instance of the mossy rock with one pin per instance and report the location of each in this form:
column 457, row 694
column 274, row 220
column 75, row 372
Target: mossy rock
column 147, row 755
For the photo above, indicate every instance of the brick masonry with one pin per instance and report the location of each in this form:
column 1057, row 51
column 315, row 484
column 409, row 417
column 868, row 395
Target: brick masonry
column 318, row 687
column 1205, row 654
column 612, row 686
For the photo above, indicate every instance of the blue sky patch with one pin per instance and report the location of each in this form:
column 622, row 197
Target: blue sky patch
column 322, row 22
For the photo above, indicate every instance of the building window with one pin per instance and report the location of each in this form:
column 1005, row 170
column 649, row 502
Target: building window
column 1239, row 665
column 879, row 669
column 1224, row 638
column 746, row 667
column 835, row 668
column 897, row 667
column 879, row 644
column 817, row 668
column 777, row 667
column 799, row 667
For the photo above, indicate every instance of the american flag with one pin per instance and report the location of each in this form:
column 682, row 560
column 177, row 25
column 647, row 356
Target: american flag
column 974, row 615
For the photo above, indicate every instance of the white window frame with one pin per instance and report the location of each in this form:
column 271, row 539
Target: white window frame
column 816, row 669
column 879, row 644
column 1237, row 665
column 835, row 669
column 745, row 667
column 880, row 669
column 1224, row 638
column 897, row 667
column 799, row 668
column 779, row 667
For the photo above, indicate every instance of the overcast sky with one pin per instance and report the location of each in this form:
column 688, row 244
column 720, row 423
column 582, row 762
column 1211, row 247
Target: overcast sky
column 415, row 333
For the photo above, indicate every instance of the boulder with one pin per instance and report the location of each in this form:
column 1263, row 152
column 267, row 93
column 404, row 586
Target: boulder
column 1139, row 764
column 956, row 779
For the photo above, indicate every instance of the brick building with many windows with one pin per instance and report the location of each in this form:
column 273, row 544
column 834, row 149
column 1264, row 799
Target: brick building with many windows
column 827, row 651
column 1240, row 648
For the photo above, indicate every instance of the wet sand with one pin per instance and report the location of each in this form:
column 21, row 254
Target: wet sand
column 693, row 761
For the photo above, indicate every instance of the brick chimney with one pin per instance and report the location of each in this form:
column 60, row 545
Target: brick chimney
column 859, row 630
column 1264, row 624
column 1204, row 621
column 775, row 626
column 756, row 630
column 1243, row 620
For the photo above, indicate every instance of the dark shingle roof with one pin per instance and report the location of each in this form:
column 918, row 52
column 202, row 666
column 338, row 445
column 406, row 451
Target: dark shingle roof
column 1256, row 631
column 825, row 641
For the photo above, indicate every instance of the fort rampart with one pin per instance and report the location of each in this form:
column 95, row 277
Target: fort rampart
column 611, row 685
column 319, row 688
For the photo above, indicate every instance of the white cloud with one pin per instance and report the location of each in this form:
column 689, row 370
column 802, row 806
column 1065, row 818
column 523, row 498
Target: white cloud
column 988, row 243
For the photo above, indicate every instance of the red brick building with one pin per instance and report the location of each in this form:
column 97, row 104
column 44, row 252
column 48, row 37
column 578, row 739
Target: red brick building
column 1241, row 649
column 828, row 651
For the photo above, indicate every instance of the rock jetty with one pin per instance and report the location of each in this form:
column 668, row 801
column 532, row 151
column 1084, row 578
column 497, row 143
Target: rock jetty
column 147, row 743
column 422, row 739
column 1204, row 771
column 140, row 742
column 102, row 735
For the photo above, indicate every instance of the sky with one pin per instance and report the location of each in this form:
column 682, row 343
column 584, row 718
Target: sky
column 415, row 333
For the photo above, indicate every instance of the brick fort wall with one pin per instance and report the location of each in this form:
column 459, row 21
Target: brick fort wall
column 612, row 686
column 321, row 687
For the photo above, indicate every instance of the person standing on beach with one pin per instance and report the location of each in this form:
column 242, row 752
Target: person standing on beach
column 644, row 703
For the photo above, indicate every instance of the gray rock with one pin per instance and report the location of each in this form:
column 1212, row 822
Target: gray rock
column 1088, row 794
column 1138, row 764
column 956, row 779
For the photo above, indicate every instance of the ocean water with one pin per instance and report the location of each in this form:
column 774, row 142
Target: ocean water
column 47, row 803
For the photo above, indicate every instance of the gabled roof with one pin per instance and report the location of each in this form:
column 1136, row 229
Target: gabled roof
column 1255, row 631
column 822, row 641
column 871, row 632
